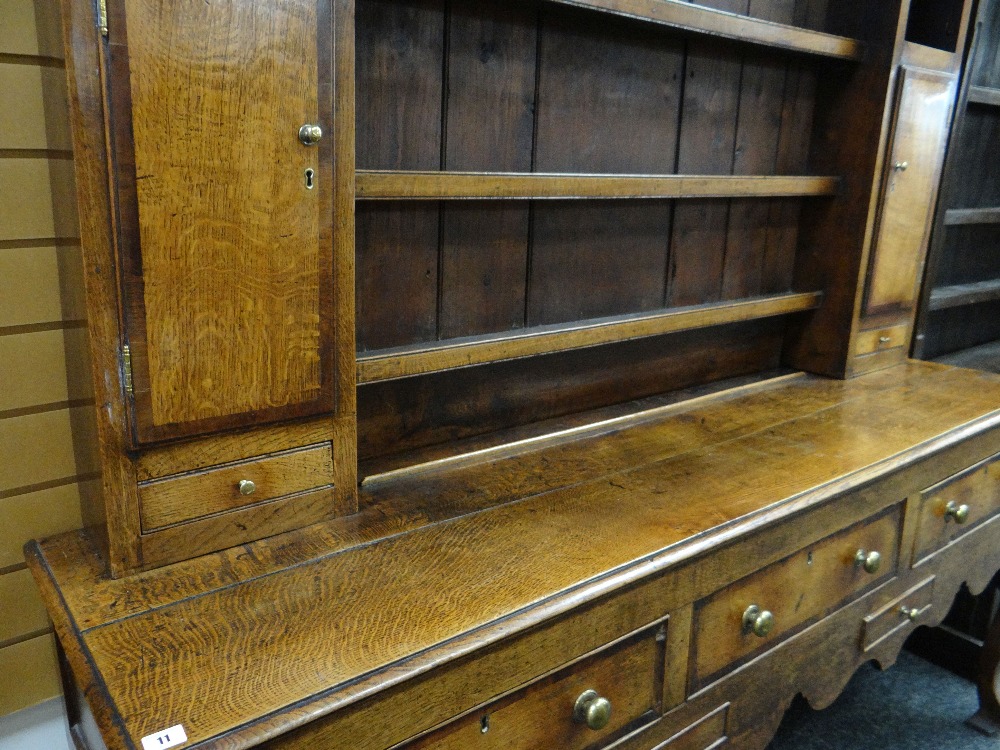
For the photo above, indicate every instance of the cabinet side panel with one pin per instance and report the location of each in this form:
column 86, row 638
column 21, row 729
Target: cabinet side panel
column 232, row 271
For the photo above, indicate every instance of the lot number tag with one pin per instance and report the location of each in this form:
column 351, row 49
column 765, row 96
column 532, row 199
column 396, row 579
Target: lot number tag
column 164, row 739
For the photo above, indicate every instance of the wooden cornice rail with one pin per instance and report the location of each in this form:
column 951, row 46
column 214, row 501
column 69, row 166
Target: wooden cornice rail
column 389, row 364
column 392, row 185
column 694, row 18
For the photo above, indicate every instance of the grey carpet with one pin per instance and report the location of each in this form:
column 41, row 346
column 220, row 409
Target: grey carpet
column 914, row 705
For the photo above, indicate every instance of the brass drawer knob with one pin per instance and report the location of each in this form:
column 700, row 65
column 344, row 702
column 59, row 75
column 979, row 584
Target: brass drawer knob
column 593, row 710
column 901, row 166
column 909, row 613
column 310, row 134
column 758, row 621
column 247, row 487
column 955, row 512
column 870, row 561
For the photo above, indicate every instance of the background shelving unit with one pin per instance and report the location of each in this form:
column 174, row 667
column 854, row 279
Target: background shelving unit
column 959, row 322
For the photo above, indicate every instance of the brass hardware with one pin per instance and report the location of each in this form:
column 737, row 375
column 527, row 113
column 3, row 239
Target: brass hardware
column 901, row 166
column 310, row 181
column 884, row 339
column 593, row 710
column 310, row 134
column 484, row 724
column 909, row 614
column 870, row 561
column 758, row 621
column 247, row 487
column 127, row 369
column 955, row 512
column 102, row 17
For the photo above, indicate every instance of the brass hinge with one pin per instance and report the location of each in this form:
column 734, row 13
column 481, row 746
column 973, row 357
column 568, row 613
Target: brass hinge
column 102, row 17
column 127, row 367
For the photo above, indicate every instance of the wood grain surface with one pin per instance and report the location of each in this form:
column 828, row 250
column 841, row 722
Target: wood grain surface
column 919, row 139
column 415, row 360
column 229, row 294
column 533, row 549
column 457, row 185
column 171, row 500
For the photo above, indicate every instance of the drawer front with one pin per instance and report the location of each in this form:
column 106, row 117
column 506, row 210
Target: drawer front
column 629, row 675
column 952, row 507
column 901, row 614
column 171, row 500
column 794, row 591
column 879, row 339
column 708, row 733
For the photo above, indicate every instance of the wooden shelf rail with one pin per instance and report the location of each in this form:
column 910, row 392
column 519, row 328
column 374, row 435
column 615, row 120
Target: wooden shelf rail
column 391, row 185
column 958, row 295
column 680, row 14
column 984, row 95
column 957, row 216
column 389, row 364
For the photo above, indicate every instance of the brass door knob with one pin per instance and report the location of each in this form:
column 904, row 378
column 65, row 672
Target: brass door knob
column 758, row 621
column 593, row 710
column 247, row 487
column 955, row 512
column 310, row 134
column 910, row 614
column 870, row 561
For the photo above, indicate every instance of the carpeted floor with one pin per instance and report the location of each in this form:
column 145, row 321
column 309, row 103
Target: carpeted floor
column 914, row 705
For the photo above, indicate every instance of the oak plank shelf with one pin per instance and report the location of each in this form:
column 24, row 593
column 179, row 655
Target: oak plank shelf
column 984, row 95
column 682, row 15
column 424, row 358
column 959, row 216
column 958, row 295
column 400, row 185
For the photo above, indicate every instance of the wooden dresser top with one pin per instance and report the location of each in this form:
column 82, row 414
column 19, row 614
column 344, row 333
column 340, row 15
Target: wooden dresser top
column 466, row 552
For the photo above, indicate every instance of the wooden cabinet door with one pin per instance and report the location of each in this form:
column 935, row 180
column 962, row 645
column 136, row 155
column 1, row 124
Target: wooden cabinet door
column 224, row 216
column 920, row 131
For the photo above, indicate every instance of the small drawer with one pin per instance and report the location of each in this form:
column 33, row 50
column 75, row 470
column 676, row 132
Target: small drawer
column 627, row 678
column 708, row 733
column 878, row 339
column 903, row 613
column 172, row 500
column 758, row 611
column 952, row 507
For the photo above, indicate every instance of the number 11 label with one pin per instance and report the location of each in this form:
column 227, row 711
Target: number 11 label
column 165, row 739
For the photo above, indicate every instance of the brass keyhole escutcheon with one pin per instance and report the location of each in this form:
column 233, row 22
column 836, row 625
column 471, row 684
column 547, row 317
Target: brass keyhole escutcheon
column 758, row 621
column 870, row 561
column 310, row 178
column 593, row 710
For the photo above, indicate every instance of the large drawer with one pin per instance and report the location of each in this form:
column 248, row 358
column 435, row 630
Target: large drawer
column 952, row 507
column 179, row 498
column 758, row 611
column 625, row 679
